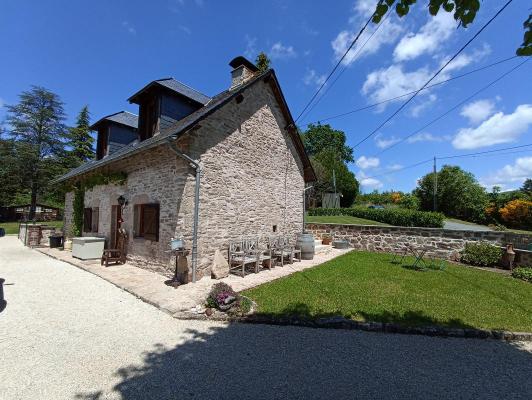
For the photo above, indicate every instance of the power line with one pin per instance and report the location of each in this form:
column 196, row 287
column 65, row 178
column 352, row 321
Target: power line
column 434, row 76
column 452, row 108
column 484, row 152
column 355, row 57
column 476, row 154
column 336, row 66
column 399, row 169
column 408, row 93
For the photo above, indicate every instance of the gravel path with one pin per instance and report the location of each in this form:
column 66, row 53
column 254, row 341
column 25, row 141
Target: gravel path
column 67, row 334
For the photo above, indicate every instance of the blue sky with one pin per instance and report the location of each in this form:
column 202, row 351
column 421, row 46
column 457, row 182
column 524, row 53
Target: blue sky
column 100, row 52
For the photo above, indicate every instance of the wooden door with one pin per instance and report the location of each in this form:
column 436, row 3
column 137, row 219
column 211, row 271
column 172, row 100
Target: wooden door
column 116, row 217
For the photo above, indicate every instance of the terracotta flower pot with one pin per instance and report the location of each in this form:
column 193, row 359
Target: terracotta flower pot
column 326, row 241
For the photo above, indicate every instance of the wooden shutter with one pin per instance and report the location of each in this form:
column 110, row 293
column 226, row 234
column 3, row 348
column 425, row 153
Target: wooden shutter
column 136, row 220
column 150, row 221
column 95, row 219
column 87, row 219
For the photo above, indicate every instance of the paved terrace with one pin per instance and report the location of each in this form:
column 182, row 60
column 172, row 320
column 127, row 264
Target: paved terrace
column 149, row 286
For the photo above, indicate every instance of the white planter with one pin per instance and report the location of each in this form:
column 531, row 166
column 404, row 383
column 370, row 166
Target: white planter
column 88, row 247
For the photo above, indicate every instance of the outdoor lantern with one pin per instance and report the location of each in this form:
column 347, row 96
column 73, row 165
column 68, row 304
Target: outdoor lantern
column 122, row 201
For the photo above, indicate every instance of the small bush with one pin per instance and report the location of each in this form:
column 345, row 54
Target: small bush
column 523, row 273
column 482, row 254
column 392, row 216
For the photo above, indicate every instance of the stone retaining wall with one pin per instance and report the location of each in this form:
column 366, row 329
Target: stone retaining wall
column 441, row 243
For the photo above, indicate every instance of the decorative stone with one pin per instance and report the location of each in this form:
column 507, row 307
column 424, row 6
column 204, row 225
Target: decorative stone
column 220, row 267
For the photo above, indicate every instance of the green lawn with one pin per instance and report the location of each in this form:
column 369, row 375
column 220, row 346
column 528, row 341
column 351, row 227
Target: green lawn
column 367, row 287
column 12, row 227
column 339, row 219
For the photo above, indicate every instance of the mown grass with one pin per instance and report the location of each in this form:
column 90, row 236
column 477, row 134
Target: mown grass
column 366, row 286
column 12, row 227
column 339, row 219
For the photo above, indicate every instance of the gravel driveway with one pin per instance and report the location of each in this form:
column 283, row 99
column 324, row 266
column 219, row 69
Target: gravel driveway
column 67, row 334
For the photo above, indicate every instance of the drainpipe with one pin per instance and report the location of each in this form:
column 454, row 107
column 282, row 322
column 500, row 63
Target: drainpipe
column 194, row 164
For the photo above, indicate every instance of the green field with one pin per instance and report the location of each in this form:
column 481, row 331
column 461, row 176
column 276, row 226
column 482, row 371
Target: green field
column 366, row 286
column 12, row 227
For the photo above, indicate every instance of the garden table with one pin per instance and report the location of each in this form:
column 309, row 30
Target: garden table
column 418, row 254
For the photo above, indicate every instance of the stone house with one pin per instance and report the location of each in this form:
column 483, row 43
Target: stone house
column 236, row 157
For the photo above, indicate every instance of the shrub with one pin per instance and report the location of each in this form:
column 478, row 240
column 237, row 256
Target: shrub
column 517, row 213
column 392, row 216
column 410, row 202
column 523, row 273
column 482, row 253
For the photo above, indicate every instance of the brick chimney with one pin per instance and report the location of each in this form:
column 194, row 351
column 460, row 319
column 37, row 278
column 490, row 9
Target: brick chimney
column 243, row 71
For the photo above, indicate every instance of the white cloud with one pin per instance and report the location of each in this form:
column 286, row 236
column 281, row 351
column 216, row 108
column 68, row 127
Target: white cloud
column 464, row 59
column 386, row 83
column 394, row 167
column 510, row 176
column 251, row 47
column 421, row 105
column 367, row 162
column 388, row 33
column 427, row 137
column 383, row 142
column 499, row 128
column 128, row 27
column 280, row 51
column 185, row 29
column 313, row 78
column 428, row 40
column 368, row 182
column 478, row 111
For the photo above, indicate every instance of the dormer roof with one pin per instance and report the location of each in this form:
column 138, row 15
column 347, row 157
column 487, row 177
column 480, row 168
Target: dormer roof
column 122, row 117
column 175, row 86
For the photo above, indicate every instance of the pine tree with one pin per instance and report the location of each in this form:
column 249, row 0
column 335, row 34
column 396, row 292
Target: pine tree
column 37, row 125
column 81, row 140
column 262, row 62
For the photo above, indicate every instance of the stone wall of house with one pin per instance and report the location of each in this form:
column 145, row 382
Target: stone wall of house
column 441, row 243
column 251, row 184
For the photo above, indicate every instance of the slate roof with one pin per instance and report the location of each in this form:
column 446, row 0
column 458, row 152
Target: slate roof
column 179, row 128
column 122, row 117
column 175, row 86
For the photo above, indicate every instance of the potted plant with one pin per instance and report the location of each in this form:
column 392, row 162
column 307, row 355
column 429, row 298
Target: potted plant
column 326, row 239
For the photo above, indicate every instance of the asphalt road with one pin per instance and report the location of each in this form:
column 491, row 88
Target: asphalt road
column 67, row 334
column 457, row 226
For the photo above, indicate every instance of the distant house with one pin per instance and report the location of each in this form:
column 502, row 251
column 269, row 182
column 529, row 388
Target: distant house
column 22, row 212
column 238, row 150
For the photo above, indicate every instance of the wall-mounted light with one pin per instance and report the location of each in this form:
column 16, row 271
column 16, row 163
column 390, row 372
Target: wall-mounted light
column 122, row 202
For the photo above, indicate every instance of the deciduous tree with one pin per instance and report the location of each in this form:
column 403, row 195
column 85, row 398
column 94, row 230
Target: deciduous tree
column 459, row 194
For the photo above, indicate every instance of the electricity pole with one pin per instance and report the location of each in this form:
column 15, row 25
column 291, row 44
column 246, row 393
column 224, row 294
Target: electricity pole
column 435, row 186
column 334, row 184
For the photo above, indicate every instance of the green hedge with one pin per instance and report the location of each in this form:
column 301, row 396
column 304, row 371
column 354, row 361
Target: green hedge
column 392, row 216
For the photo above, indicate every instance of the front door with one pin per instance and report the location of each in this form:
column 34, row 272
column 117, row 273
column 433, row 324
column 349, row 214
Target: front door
column 116, row 217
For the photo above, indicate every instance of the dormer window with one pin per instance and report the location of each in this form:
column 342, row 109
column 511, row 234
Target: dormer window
column 164, row 102
column 114, row 132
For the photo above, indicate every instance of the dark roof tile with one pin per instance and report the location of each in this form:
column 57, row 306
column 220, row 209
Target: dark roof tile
column 122, row 117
